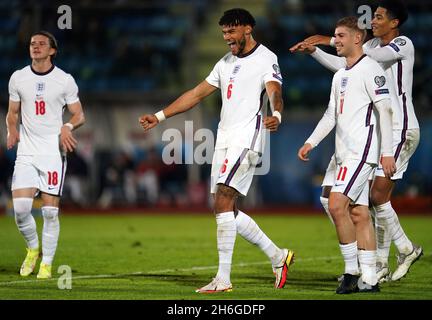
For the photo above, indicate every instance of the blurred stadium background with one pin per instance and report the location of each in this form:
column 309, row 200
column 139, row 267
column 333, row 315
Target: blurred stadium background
column 133, row 57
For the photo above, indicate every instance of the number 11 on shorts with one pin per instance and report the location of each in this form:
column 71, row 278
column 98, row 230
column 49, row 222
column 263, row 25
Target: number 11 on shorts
column 342, row 173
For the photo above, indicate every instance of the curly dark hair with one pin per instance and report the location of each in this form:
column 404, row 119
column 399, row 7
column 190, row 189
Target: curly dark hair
column 237, row 16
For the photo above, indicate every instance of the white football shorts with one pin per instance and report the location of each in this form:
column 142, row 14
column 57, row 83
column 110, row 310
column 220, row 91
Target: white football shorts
column 330, row 174
column 233, row 167
column 405, row 143
column 45, row 173
column 352, row 180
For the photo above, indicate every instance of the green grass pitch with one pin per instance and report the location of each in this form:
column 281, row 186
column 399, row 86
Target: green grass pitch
column 164, row 256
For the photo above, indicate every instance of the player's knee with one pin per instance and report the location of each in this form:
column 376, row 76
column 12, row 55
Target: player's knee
column 381, row 191
column 224, row 198
column 359, row 215
column 22, row 207
column 50, row 213
column 377, row 197
column 336, row 209
column 223, row 205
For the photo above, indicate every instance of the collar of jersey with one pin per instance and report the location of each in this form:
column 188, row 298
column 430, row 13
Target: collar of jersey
column 42, row 73
column 360, row 59
column 250, row 52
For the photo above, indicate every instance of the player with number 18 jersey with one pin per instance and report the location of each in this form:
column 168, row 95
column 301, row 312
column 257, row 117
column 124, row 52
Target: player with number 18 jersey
column 43, row 97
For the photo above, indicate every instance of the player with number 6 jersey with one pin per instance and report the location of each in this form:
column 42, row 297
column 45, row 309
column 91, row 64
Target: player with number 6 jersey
column 38, row 95
column 242, row 80
column 245, row 76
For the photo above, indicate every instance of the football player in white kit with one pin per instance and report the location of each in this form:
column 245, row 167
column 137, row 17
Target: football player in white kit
column 395, row 53
column 38, row 94
column 246, row 76
column 359, row 97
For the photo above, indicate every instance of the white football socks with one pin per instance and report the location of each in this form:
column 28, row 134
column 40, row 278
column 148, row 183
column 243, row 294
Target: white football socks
column 251, row 232
column 387, row 221
column 383, row 237
column 25, row 222
column 349, row 253
column 226, row 235
column 367, row 260
column 324, row 202
column 50, row 233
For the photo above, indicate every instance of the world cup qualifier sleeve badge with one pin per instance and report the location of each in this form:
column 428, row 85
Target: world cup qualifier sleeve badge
column 400, row 42
column 380, row 82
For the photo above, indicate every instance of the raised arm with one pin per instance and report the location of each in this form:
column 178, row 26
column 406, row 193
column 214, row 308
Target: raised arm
column 186, row 101
column 329, row 61
column 383, row 54
column 11, row 123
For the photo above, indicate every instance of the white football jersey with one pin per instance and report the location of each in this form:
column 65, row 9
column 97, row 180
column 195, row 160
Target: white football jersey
column 400, row 77
column 242, row 80
column 43, row 97
column 353, row 94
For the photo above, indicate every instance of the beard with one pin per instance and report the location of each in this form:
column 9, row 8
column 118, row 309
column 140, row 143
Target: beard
column 241, row 46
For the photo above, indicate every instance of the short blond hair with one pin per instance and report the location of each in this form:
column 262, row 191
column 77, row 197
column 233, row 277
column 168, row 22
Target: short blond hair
column 351, row 22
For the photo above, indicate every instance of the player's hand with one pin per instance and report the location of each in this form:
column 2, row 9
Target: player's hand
column 389, row 166
column 148, row 121
column 304, row 151
column 318, row 40
column 67, row 141
column 271, row 123
column 303, row 47
column 12, row 138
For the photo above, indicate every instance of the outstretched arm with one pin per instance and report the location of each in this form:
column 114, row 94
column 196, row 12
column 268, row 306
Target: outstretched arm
column 186, row 101
column 319, row 39
column 383, row 54
column 331, row 62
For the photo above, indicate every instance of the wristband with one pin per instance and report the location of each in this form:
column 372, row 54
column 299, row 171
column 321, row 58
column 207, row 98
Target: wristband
column 69, row 125
column 277, row 115
column 160, row 116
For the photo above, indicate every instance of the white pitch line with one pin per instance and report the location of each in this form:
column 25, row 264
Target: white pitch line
column 120, row 275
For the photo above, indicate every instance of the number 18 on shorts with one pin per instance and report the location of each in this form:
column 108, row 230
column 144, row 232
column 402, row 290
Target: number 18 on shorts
column 45, row 173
